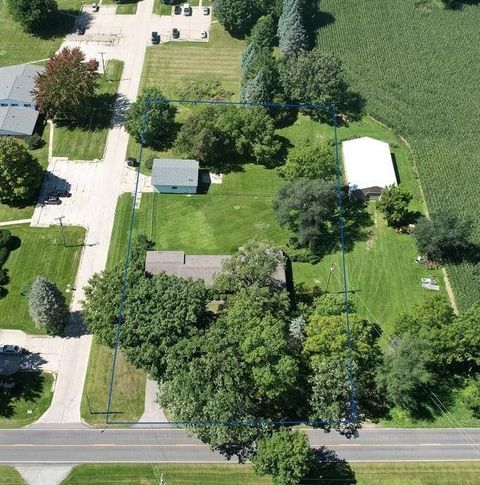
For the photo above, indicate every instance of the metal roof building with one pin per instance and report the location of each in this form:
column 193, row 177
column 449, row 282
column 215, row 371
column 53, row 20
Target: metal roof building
column 368, row 166
column 173, row 176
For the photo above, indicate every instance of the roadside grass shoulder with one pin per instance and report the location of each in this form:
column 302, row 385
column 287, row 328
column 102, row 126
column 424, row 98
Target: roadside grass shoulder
column 40, row 253
column 419, row 473
column 27, row 400
column 88, row 142
column 10, row 476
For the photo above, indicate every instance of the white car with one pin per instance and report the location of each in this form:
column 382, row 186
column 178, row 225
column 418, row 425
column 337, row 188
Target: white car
column 203, row 34
column 187, row 10
column 95, row 7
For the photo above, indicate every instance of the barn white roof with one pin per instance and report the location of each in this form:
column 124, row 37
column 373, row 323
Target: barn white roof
column 368, row 163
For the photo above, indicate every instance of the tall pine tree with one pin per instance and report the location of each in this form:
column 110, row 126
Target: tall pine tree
column 292, row 34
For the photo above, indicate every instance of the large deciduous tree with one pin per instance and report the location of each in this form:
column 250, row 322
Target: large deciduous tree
column 286, row 455
column 47, row 307
column 20, row 173
column 157, row 128
column 66, row 87
column 394, row 205
column 32, row 15
column 237, row 16
column 405, row 373
column 308, row 208
column 443, row 237
column 319, row 79
column 311, row 161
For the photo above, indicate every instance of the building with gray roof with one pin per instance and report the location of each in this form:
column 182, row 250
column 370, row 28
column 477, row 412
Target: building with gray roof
column 18, row 115
column 172, row 176
column 197, row 267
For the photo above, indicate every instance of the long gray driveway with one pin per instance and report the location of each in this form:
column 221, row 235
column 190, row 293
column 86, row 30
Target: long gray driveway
column 61, row 446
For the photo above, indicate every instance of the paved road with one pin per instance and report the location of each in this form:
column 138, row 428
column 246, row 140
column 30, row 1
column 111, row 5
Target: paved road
column 30, row 446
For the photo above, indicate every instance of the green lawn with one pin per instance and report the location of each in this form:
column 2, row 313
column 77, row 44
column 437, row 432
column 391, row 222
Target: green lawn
column 12, row 213
column 426, row 87
column 447, row 473
column 128, row 390
column 124, row 7
column 27, row 401
column 17, row 46
column 88, row 142
column 10, row 476
column 41, row 253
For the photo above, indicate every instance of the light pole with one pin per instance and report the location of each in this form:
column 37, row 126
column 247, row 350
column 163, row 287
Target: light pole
column 59, row 219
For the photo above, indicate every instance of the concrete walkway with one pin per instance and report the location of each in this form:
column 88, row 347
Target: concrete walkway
column 14, row 223
column 153, row 412
column 66, row 401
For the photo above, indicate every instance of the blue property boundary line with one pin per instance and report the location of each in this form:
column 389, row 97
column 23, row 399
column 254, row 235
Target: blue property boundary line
column 353, row 407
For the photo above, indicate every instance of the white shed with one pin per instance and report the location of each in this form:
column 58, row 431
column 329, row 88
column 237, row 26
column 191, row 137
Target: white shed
column 368, row 167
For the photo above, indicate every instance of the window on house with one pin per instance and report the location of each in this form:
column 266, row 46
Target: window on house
column 3, row 104
column 13, row 104
column 27, row 105
column 174, row 188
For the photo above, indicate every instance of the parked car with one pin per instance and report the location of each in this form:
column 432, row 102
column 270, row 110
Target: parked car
column 62, row 193
column 187, row 10
column 206, row 10
column 155, row 38
column 80, row 30
column 95, row 7
column 175, row 33
column 177, row 10
column 10, row 349
column 53, row 201
column 203, row 34
column 131, row 162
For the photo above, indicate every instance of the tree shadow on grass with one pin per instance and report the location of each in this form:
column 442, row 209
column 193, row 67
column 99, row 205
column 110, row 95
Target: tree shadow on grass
column 62, row 24
column 26, row 385
column 330, row 470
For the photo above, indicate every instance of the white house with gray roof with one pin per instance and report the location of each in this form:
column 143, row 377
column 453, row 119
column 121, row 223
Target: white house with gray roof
column 170, row 176
column 18, row 115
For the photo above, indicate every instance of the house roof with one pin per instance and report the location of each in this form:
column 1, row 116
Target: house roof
column 368, row 163
column 17, row 82
column 182, row 173
column 198, row 267
column 18, row 121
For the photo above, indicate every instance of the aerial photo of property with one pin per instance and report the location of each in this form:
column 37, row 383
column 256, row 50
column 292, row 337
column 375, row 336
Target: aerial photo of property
column 240, row 242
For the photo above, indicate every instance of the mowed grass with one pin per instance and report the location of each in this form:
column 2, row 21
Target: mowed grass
column 418, row 69
column 17, row 46
column 124, row 7
column 41, row 253
column 128, row 388
column 442, row 473
column 88, row 142
column 10, row 476
column 27, row 401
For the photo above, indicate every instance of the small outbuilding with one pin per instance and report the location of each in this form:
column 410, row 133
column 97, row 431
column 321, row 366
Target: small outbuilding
column 368, row 167
column 171, row 176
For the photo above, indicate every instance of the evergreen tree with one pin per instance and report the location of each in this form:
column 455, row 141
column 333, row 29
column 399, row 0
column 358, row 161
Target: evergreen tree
column 237, row 16
column 47, row 307
column 292, row 34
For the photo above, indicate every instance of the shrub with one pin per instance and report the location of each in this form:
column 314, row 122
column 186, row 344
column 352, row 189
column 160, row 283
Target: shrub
column 149, row 162
column 471, row 397
column 5, row 238
column 4, row 252
column 34, row 141
column 3, row 292
column 3, row 277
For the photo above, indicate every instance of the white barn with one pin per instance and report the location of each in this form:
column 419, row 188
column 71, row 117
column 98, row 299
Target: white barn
column 368, row 167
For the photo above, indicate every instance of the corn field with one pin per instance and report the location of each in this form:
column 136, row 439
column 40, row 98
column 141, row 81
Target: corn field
column 420, row 72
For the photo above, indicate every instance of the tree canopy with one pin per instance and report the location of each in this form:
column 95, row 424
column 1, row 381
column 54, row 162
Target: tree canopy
column 319, row 79
column 32, row 14
column 394, row 205
column 311, row 161
column 286, row 456
column 157, row 129
column 292, row 33
column 309, row 209
column 237, row 16
column 443, row 237
column 20, row 173
column 47, row 306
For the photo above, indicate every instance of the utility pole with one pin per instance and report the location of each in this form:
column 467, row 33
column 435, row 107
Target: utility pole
column 162, row 481
column 103, row 62
column 329, row 276
column 59, row 219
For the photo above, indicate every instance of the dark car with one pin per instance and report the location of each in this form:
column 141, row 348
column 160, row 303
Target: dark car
column 175, row 33
column 63, row 193
column 131, row 162
column 155, row 38
column 53, row 201
column 177, row 10
column 10, row 349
